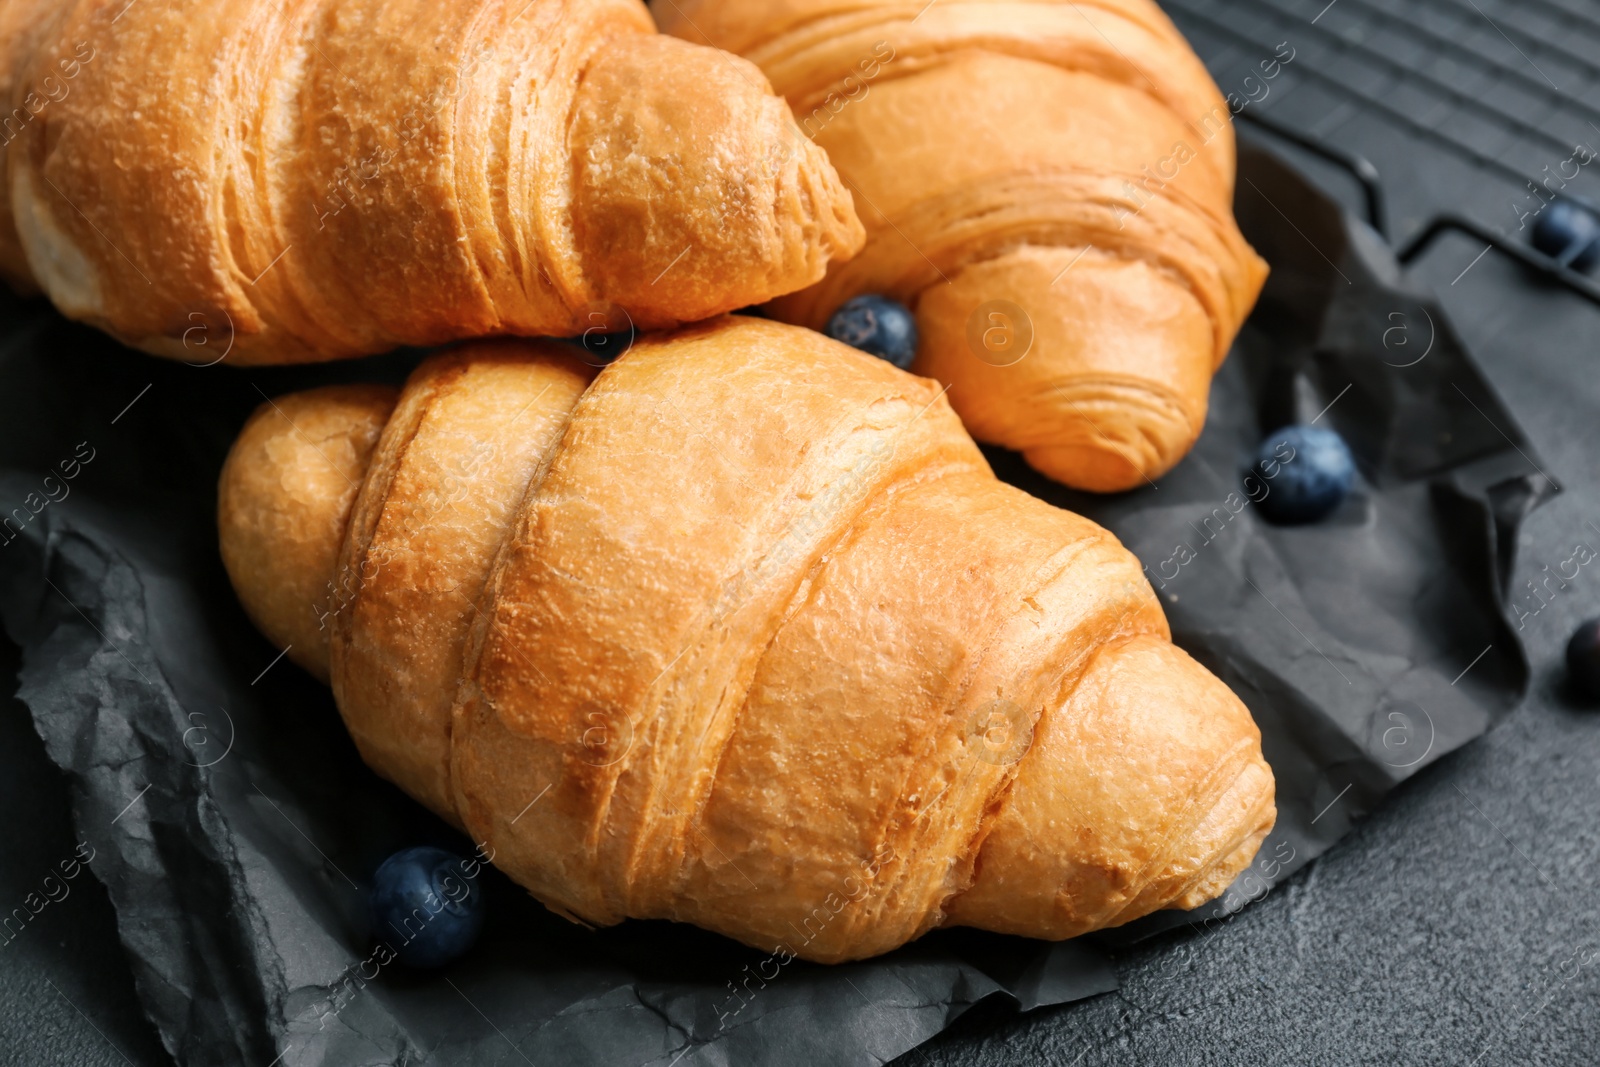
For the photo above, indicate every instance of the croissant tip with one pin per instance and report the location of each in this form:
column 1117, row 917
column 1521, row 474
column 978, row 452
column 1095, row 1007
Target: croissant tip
column 283, row 501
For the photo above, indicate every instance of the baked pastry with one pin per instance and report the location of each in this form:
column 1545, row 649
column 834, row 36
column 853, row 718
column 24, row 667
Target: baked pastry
column 311, row 179
column 744, row 633
column 1049, row 185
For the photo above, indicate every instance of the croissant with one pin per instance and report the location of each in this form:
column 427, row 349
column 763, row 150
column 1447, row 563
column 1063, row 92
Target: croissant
column 742, row 632
column 1047, row 183
column 280, row 182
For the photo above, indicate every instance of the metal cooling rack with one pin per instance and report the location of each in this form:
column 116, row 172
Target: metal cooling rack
column 1509, row 86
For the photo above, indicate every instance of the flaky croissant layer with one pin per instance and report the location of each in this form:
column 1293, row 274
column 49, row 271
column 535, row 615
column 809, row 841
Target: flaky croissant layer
column 741, row 632
column 1048, row 183
column 274, row 182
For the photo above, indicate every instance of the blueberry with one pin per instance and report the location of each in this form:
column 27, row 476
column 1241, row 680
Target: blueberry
column 608, row 332
column 1568, row 232
column 878, row 325
column 1307, row 473
column 601, row 348
column 425, row 907
column 1583, row 659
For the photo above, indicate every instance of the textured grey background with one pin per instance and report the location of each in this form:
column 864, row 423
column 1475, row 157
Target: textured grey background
column 1459, row 924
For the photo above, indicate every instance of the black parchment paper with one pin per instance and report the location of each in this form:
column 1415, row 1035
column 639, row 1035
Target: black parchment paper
column 235, row 827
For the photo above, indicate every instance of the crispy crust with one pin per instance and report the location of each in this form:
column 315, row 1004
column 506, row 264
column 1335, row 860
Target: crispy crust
column 757, row 641
column 1072, row 159
column 317, row 179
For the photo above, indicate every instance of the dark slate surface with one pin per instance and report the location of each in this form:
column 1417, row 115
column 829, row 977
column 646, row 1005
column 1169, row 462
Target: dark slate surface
column 1458, row 925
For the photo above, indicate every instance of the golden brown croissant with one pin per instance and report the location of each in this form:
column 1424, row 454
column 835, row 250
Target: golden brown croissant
column 311, row 179
column 743, row 633
column 1048, row 183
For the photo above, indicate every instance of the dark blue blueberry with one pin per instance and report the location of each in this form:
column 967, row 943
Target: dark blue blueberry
column 425, row 907
column 878, row 325
column 601, row 348
column 608, row 332
column 1583, row 659
column 1568, row 232
column 1307, row 472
